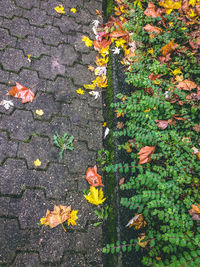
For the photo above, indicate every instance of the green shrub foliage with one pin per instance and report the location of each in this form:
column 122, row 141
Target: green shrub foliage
column 164, row 189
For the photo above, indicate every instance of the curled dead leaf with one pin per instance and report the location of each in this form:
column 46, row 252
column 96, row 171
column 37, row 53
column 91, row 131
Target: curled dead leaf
column 93, row 178
column 145, row 154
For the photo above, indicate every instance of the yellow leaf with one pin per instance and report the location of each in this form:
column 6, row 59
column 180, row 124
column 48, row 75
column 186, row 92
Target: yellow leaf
column 176, row 71
column 95, row 196
column 104, row 51
column 169, row 5
column 142, row 244
column 90, row 86
column 87, row 41
column 120, row 43
column 73, row 10
column 104, row 125
column 80, row 91
column 60, row 9
column 150, row 51
column 37, row 163
column 147, row 110
column 192, row 2
column 39, row 112
column 179, row 78
column 192, row 13
column 73, row 217
column 138, row 3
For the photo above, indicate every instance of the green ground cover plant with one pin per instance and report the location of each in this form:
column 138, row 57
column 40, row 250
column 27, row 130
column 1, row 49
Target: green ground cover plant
column 161, row 127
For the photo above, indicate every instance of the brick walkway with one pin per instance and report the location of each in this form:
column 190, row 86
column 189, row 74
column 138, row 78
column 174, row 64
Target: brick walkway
column 59, row 61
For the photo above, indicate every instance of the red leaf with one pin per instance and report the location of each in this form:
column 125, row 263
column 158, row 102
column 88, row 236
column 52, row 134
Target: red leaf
column 93, row 178
column 162, row 124
column 20, row 91
column 145, row 154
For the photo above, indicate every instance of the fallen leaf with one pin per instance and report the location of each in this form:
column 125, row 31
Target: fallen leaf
column 196, row 128
column 186, row 85
column 80, row 91
column 145, row 154
column 195, row 212
column 6, row 103
column 196, row 152
column 95, row 94
column 60, row 9
column 37, row 163
column 169, row 5
column 153, row 30
column 137, row 221
column 168, row 48
column 120, row 125
column 58, row 216
column 73, row 10
column 73, row 217
column 107, row 130
column 121, row 181
column 98, row 13
column 87, row 41
column 150, row 11
column 95, row 196
column 20, row 91
column 162, row 124
column 93, row 178
column 39, row 112
column 98, row 45
column 128, row 148
column 144, row 243
column 91, row 68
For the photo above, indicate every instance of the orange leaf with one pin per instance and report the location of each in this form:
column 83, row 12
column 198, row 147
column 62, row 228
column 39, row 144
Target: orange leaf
column 93, row 178
column 98, row 45
column 58, row 216
column 145, row 154
column 168, row 48
column 137, row 221
column 150, row 11
column 195, row 208
column 120, row 125
column 153, row 30
column 186, row 85
column 20, row 91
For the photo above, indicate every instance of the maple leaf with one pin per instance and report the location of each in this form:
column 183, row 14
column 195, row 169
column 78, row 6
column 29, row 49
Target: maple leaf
column 168, row 48
column 186, row 85
column 58, row 216
column 73, row 218
column 150, row 11
column 20, row 91
column 93, row 178
column 87, row 41
column 169, row 5
column 60, row 9
column 162, row 124
column 95, row 196
column 153, row 30
column 145, row 154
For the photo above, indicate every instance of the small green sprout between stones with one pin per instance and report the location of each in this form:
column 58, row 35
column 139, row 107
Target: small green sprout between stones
column 63, row 142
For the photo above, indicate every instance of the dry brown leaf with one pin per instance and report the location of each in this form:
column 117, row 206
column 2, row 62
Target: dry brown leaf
column 137, row 221
column 121, row 181
column 58, row 216
column 168, row 48
column 186, row 85
column 150, row 11
column 145, row 154
column 196, row 128
column 153, row 30
column 144, row 243
column 120, row 125
column 162, row 124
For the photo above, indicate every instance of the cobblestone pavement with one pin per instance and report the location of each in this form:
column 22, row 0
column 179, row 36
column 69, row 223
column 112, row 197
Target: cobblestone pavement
column 59, row 61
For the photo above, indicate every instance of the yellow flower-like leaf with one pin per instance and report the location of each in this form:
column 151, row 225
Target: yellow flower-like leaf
column 176, row 71
column 138, row 3
column 73, row 10
column 144, row 243
column 37, row 162
column 192, row 13
column 169, row 5
column 147, row 110
column 192, row 2
column 150, row 51
column 73, row 217
column 120, row 43
column 104, row 51
column 29, row 57
column 43, row 221
column 102, row 81
column 39, row 112
column 104, row 125
column 101, row 61
column 60, row 9
column 95, row 196
column 90, row 86
column 80, row 91
column 87, row 41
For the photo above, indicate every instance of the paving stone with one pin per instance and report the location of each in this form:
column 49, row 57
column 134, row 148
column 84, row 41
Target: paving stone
column 28, row 3
column 76, row 39
column 62, row 88
column 7, row 148
column 49, row 67
column 14, row 177
column 4, row 76
column 37, row 17
column 6, row 39
column 33, row 46
column 28, row 78
column 49, row 6
column 73, row 260
column 32, row 207
column 46, row 103
column 79, row 159
column 90, row 58
column 9, row 9
column 38, row 148
column 13, row 59
column 19, row 27
column 94, row 129
column 20, row 124
column 76, row 3
column 65, row 54
column 80, row 74
column 4, row 204
column 84, row 17
column 27, row 259
column 67, row 25
column 12, row 239
column 91, row 6
column 51, row 35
